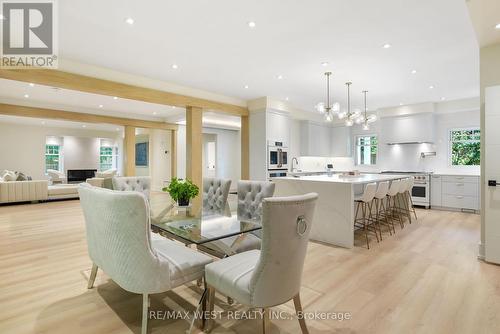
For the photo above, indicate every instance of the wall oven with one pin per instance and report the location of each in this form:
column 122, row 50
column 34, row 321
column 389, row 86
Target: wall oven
column 277, row 155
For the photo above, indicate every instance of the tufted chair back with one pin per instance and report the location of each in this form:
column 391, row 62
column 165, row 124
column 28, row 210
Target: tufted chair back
column 250, row 196
column 215, row 192
column 286, row 224
column 141, row 184
column 118, row 237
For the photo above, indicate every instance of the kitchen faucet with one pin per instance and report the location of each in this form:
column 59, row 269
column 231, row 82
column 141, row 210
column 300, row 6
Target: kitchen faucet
column 297, row 162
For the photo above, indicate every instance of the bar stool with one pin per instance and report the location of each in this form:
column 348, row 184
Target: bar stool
column 365, row 201
column 392, row 207
column 381, row 208
column 404, row 206
column 411, row 183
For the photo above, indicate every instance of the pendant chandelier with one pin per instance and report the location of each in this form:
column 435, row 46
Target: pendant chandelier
column 366, row 119
column 326, row 108
column 351, row 115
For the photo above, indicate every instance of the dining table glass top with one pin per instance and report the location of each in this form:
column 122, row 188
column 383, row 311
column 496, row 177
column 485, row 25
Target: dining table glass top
column 204, row 227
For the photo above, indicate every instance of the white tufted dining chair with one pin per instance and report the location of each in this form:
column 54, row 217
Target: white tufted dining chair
column 250, row 196
column 140, row 184
column 120, row 242
column 271, row 276
column 215, row 192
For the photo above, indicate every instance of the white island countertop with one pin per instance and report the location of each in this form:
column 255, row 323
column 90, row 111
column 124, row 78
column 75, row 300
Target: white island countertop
column 337, row 178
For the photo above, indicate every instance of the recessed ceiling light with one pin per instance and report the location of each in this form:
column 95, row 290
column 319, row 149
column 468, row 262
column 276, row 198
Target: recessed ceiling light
column 129, row 20
column 279, row 77
column 286, row 98
column 413, row 71
column 26, row 95
column 32, row 84
column 443, row 98
column 251, row 24
column 325, row 63
column 173, row 107
column 431, row 87
column 84, row 126
column 497, row 26
column 101, row 106
column 154, row 112
column 115, row 98
column 117, row 129
column 43, row 122
column 401, row 104
column 386, row 46
column 175, row 66
column 246, row 86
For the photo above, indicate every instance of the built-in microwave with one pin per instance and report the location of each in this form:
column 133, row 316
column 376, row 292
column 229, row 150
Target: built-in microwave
column 277, row 155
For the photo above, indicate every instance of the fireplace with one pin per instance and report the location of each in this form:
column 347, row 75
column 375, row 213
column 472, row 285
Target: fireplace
column 80, row 175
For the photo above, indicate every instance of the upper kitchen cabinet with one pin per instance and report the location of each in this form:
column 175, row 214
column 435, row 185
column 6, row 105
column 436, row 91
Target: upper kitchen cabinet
column 341, row 141
column 315, row 139
column 418, row 128
column 278, row 126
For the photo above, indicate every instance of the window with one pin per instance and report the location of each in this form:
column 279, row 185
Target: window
column 366, row 150
column 465, row 147
column 52, row 157
column 108, row 158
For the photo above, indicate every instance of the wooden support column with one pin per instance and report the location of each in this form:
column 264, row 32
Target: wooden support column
column 245, row 148
column 194, row 151
column 129, row 148
column 173, row 154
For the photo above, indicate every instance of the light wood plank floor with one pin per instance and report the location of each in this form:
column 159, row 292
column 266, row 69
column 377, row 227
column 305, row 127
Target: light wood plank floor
column 426, row 279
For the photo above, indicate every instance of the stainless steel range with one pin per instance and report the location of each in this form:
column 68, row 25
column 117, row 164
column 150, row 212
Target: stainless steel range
column 421, row 192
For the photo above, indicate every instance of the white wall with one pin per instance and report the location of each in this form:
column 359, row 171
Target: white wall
column 228, row 163
column 22, row 147
column 81, row 153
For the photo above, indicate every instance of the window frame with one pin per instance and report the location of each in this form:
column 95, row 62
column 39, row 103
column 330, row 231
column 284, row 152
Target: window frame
column 450, row 145
column 356, row 160
column 58, row 155
column 113, row 155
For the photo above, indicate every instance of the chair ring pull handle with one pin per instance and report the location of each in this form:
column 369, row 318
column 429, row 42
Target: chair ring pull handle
column 301, row 225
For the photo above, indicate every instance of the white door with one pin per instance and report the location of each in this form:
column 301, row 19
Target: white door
column 209, row 155
column 492, row 172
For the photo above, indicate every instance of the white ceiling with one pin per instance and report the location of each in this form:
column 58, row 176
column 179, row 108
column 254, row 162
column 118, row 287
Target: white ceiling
column 217, row 51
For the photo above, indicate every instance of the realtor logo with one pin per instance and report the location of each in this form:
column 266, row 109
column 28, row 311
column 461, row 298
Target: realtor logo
column 28, row 34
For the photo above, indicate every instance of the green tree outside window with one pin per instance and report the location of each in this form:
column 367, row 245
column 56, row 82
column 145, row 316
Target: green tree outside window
column 465, row 147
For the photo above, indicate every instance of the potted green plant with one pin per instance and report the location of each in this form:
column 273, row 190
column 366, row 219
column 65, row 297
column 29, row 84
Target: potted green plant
column 182, row 191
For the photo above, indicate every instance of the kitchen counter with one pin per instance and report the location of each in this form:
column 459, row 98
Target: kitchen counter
column 458, row 173
column 337, row 178
column 333, row 221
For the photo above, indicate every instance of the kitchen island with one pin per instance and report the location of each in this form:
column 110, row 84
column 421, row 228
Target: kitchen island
column 334, row 213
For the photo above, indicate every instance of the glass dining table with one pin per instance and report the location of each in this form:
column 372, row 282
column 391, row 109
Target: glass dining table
column 213, row 233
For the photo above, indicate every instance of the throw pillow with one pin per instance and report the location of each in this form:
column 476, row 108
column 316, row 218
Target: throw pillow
column 21, row 177
column 9, row 176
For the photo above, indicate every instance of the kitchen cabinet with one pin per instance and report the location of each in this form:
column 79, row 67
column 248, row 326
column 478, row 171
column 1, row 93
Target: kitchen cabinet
column 315, row 139
column 455, row 191
column 417, row 128
column 341, row 141
column 436, row 198
column 278, row 126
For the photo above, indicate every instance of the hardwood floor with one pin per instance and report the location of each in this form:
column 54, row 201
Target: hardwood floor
column 426, row 279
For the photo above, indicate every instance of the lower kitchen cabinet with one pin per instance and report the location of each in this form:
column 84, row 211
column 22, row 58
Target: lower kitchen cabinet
column 455, row 192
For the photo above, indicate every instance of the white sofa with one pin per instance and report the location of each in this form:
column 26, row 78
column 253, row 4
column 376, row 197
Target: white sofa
column 23, row 191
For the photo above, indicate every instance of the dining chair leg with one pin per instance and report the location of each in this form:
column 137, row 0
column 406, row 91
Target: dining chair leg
column 389, row 222
column 300, row 315
column 265, row 320
column 211, row 301
column 93, row 274
column 145, row 307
